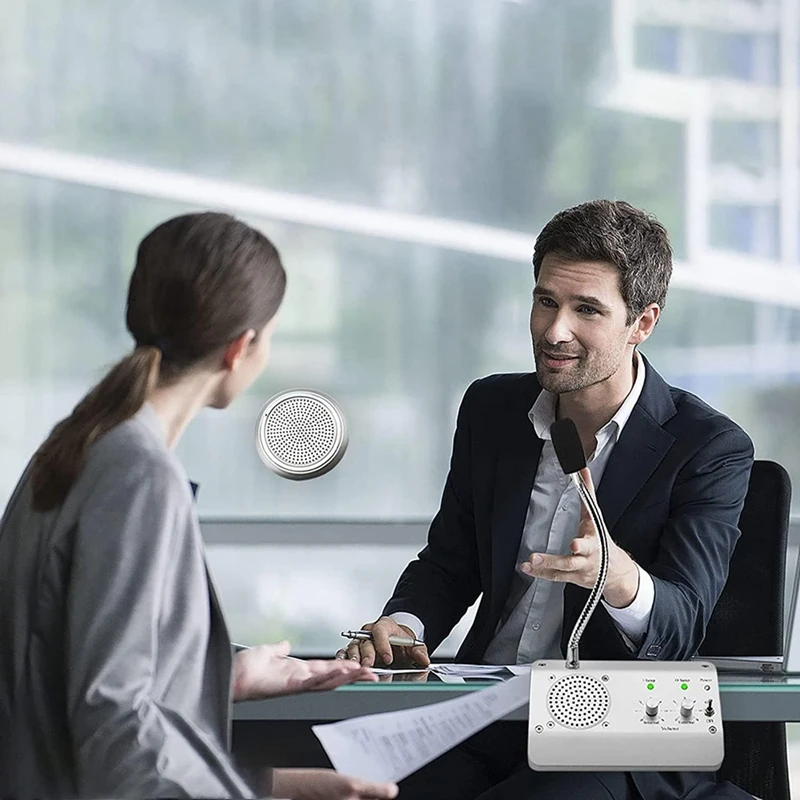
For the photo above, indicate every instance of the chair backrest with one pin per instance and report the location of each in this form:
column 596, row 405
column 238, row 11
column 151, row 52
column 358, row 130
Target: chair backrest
column 748, row 621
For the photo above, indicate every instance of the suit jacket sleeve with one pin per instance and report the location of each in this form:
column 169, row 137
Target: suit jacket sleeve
column 696, row 545
column 125, row 743
column 444, row 580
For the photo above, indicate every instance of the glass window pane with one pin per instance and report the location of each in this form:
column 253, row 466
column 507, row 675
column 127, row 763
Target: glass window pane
column 364, row 138
column 750, row 145
column 745, row 229
column 748, row 57
column 309, row 595
column 658, row 48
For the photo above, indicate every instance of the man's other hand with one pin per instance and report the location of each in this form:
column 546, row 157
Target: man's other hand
column 378, row 650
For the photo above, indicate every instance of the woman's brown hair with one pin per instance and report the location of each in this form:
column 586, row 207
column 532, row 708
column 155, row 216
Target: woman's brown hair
column 200, row 281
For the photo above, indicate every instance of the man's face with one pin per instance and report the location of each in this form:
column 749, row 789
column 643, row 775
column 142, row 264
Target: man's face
column 578, row 325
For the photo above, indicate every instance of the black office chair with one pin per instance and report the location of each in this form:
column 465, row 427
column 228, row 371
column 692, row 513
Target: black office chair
column 748, row 621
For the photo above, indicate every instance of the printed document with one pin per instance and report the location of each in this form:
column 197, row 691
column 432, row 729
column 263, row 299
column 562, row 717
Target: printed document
column 488, row 671
column 390, row 746
column 480, row 670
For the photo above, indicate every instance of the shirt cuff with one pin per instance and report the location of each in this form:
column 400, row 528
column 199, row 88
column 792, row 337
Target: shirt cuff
column 634, row 618
column 410, row 621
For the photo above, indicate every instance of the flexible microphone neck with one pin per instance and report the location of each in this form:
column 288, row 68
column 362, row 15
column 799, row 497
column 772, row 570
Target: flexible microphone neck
column 569, row 451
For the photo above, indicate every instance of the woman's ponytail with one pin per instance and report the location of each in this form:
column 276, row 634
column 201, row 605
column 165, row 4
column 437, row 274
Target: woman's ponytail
column 200, row 280
column 117, row 397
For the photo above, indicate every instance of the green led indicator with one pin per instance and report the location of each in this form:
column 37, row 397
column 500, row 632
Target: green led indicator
column 651, row 686
column 684, row 686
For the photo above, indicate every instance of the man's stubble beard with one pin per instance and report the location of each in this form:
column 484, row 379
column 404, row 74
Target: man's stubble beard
column 582, row 374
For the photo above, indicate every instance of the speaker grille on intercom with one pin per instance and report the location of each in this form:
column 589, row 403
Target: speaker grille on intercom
column 301, row 434
column 578, row 701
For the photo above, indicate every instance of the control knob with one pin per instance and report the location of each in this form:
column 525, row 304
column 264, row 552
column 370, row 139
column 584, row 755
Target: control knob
column 687, row 706
column 651, row 707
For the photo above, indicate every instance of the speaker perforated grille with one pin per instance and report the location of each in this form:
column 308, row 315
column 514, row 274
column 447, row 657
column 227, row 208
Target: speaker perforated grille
column 578, row 701
column 301, row 434
column 300, row 431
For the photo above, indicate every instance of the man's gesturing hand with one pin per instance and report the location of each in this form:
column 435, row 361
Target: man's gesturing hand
column 582, row 564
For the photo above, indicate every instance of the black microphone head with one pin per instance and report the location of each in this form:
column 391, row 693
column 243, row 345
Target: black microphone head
column 567, row 444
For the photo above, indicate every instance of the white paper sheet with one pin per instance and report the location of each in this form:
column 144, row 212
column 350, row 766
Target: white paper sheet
column 472, row 670
column 390, row 746
column 488, row 671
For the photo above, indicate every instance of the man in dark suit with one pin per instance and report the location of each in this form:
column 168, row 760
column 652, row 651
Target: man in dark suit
column 671, row 472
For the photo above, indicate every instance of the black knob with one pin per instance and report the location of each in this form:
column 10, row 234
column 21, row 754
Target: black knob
column 709, row 708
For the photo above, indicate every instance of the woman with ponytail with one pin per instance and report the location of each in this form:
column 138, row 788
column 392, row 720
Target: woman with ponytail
column 116, row 669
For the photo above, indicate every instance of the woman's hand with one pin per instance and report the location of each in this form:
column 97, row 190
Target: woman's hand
column 325, row 784
column 267, row 671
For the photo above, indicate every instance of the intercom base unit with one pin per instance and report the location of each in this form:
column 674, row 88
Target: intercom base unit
column 625, row 716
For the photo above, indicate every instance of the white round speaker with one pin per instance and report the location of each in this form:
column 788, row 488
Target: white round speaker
column 578, row 701
column 301, row 434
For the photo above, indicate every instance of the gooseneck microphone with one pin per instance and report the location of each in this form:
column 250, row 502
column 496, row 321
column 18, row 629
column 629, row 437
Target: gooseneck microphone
column 569, row 451
column 618, row 715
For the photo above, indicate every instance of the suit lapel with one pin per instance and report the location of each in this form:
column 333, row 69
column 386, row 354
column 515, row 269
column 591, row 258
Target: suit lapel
column 220, row 648
column 516, row 470
column 642, row 446
column 640, row 449
column 222, row 651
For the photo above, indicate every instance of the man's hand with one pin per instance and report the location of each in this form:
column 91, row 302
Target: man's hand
column 365, row 652
column 266, row 671
column 583, row 564
column 325, row 784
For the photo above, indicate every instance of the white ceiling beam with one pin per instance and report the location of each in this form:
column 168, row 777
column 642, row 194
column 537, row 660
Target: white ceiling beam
column 727, row 275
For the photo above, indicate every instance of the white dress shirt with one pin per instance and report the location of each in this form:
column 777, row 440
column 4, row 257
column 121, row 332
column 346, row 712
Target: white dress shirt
column 530, row 626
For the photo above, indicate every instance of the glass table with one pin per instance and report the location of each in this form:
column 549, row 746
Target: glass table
column 766, row 698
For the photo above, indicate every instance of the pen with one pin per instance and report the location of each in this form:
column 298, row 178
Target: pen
column 401, row 641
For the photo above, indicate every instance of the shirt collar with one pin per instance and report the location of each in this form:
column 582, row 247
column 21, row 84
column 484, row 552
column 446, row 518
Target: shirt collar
column 543, row 412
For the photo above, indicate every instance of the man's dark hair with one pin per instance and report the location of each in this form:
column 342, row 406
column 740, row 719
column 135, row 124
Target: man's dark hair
column 614, row 232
